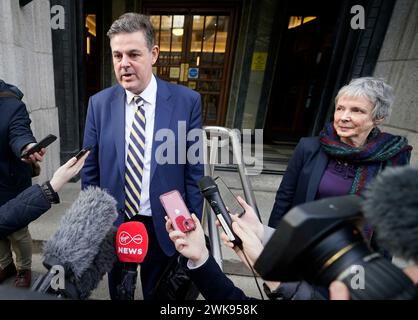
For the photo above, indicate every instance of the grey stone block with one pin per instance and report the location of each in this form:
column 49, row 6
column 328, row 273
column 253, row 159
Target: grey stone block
column 401, row 37
column 403, row 76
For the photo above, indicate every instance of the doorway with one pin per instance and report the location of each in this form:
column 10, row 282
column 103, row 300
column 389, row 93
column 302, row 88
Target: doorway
column 305, row 50
column 196, row 49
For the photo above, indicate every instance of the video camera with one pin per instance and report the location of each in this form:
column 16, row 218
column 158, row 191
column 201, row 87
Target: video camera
column 321, row 241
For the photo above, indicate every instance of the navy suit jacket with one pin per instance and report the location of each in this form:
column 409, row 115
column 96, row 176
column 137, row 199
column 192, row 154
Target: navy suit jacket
column 22, row 210
column 105, row 166
column 213, row 284
column 301, row 180
column 15, row 133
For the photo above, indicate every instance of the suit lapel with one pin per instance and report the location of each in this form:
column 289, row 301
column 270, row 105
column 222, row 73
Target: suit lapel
column 163, row 110
column 317, row 172
column 117, row 109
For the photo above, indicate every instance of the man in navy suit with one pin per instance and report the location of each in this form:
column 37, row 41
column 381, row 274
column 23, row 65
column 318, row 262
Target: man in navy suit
column 109, row 122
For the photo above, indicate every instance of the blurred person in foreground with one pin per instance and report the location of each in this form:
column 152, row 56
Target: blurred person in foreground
column 215, row 285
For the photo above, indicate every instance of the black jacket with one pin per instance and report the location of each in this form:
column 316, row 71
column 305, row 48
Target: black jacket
column 213, row 284
column 301, row 179
column 15, row 133
column 20, row 211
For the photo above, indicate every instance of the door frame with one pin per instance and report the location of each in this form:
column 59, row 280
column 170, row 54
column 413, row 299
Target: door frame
column 231, row 8
column 355, row 54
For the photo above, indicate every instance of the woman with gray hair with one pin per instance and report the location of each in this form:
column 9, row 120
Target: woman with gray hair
column 349, row 152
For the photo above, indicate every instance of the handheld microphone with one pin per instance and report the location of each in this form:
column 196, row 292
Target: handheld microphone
column 83, row 245
column 131, row 249
column 210, row 191
column 391, row 207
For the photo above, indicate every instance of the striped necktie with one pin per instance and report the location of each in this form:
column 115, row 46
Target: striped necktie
column 135, row 161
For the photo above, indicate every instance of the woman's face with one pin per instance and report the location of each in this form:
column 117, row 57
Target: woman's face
column 353, row 120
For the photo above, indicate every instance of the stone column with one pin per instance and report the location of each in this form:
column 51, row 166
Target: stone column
column 26, row 61
column 398, row 64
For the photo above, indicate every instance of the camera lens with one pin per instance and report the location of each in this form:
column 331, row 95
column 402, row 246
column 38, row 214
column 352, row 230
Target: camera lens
column 345, row 256
column 320, row 242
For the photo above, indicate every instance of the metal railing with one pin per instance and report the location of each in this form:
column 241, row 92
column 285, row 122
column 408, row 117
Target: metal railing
column 217, row 138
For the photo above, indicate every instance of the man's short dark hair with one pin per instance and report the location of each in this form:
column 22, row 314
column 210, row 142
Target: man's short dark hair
column 132, row 22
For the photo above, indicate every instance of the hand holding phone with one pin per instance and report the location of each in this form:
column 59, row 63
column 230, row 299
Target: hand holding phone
column 230, row 200
column 82, row 152
column 177, row 211
column 40, row 145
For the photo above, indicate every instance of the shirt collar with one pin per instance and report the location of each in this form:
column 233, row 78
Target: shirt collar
column 149, row 94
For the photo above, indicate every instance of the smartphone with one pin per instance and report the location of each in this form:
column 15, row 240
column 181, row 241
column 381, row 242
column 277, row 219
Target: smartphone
column 41, row 144
column 229, row 198
column 82, row 152
column 177, row 211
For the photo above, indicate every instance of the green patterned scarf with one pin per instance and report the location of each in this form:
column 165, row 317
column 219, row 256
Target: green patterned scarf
column 380, row 150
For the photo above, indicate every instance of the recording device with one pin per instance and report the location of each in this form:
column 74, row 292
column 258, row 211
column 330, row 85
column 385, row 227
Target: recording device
column 210, row 191
column 84, row 246
column 131, row 249
column 82, row 152
column 320, row 242
column 229, row 198
column 37, row 147
column 177, row 211
column 391, row 206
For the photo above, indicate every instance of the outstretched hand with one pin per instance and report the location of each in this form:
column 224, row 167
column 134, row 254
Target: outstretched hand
column 192, row 244
column 67, row 171
column 34, row 159
column 250, row 218
column 251, row 244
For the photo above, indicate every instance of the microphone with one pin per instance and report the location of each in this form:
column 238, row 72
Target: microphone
column 131, row 249
column 391, row 207
column 83, row 245
column 210, row 191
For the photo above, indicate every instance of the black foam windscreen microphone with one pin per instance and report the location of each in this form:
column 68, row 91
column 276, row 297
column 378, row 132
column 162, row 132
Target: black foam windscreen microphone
column 210, row 191
column 84, row 244
column 391, row 207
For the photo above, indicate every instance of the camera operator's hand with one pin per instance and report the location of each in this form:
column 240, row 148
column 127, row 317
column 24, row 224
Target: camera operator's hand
column 67, row 171
column 251, row 244
column 338, row 291
column 192, row 244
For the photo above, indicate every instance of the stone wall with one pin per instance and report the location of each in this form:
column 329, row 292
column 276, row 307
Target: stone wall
column 398, row 64
column 26, row 61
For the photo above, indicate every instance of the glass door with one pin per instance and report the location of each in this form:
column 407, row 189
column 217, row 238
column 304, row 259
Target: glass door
column 194, row 52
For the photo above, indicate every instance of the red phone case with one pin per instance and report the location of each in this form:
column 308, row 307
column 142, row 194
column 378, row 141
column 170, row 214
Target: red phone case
column 177, row 211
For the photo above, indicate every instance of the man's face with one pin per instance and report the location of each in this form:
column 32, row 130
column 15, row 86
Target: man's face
column 132, row 60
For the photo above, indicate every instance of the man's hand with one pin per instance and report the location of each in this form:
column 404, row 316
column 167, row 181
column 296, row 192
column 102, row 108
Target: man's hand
column 67, row 171
column 34, row 159
column 192, row 244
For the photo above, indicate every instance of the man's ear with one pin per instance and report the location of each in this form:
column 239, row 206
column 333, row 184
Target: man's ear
column 155, row 51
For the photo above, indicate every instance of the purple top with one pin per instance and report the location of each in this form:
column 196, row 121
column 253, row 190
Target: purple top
column 336, row 180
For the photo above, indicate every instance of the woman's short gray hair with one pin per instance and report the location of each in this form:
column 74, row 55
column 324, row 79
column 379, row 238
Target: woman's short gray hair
column 132, row 22
column 376, row 90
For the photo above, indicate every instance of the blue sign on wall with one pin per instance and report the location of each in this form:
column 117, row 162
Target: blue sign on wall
column 193, row 73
